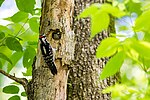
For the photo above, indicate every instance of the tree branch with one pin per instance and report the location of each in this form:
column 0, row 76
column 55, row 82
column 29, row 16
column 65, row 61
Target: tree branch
column 22, row 81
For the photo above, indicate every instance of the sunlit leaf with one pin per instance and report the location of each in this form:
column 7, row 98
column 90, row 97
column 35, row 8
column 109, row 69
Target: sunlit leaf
column 2, row 35
column 28, row 57
column 15, row 28
column 15, row 97
column 14, row 58
column 99, row 22
column 142, row 47
column 108, row 47
column 140, row 24
column 3, row 56
column 11, row 89
column 25, row 5
column 29, row 35
column 107, row 8
column 19, row 16
column 145, row 61
column 34, row 24
column 13, row 44
column 134, row 7
column 146, row 5
column 113, row 65
column 147, row 37
column 90, row 10
column 5, row 29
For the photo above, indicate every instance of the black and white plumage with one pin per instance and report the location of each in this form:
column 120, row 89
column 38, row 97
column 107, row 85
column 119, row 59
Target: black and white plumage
column 47, row 53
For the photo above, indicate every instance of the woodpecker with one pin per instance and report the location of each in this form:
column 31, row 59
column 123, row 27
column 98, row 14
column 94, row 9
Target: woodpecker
column 47, row 53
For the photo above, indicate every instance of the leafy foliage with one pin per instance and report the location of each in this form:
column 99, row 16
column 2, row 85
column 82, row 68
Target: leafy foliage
column 11, row 89
column 28, row 56
column 2, row 35
column 19, row 16
column 15, row 97
column 33, row 22
column 100, row 16
column 3, row 56
column 10, row 41
column 108, row 47
column 26, row 5
column 17, row 56
column 18, row 42
column 113, row 65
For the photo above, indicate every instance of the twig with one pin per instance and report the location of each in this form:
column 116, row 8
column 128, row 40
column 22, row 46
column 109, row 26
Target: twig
column 22, row 81
column 21, row 27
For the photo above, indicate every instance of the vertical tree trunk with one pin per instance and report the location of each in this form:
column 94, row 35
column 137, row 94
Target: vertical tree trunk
column 56, row 16
column 75, row 55
column 83, row 82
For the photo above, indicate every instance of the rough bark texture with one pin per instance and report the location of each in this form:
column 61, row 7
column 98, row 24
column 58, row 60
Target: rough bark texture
column 83, row 82
column 56, row 15
column 75, row 55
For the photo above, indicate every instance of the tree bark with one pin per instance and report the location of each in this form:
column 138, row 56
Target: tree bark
column 83, row 81
column 75, row 55
column 56, row 16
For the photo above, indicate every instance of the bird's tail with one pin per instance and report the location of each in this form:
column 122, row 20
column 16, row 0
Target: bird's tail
column 53, row 68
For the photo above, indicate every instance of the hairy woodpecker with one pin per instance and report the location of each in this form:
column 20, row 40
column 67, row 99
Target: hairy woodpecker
column 47, row 53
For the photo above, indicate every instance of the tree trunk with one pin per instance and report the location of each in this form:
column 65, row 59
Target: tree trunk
column 56, row 16
column 75, row 55
column 83, row 81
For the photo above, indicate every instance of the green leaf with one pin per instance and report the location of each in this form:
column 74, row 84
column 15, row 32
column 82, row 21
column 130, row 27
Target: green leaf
column 113, row 65
column 108, row 47
column 11, row 89
column 146, row 5
column 28, row 57
column 134, row 7
column 140, row 24
column 100, row 21
column 2, row 35
column 23, row 94
column 1, row 1
column 114, row 11
column 28, row 72
column 145, row 61
column 13, row 44
column 32, row 42
column 15, row 97
column 142, row 47
column 34, row 24
column 90, row 10
column 5, row 29
column 25, row 5
column 3, row 56
column 14, row 58
column 1, row 65
column 147, row 37
column 15, row 28
column 19, row 16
